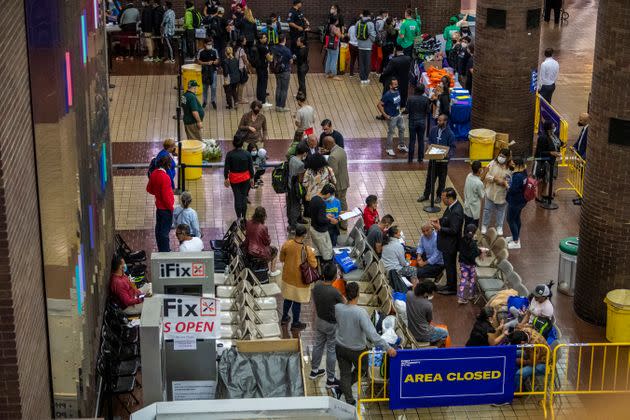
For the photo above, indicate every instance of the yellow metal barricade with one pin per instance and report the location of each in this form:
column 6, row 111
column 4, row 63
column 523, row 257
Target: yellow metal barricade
column 563, row 129
column 538, row 383
column 375, row 381
column 589, row 369
column 575, row 172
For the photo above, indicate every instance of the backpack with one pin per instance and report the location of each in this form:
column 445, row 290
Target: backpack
column 280, row 178
column 276, row 65
column 362, row 31
column 531, row 189
column 214, row 27
column 196, row 19
column 331, row 42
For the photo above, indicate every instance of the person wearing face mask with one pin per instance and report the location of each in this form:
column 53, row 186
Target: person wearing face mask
column 442, row 135
column 516, row 202
column 295, row 190
column 122, row 289
column 338, row 162
column 254, row 124
column 497, row 181
column 389, row 108
column 208, row 58
column 259, row 156
column 420, row 314
column 393, row 255
column 333, row 208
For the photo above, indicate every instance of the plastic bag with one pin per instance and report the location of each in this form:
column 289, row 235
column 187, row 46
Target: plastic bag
column 346, row 263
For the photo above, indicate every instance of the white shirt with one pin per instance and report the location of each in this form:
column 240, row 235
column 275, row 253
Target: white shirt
column 544, row 309
column 193, row 245
column 548, row 73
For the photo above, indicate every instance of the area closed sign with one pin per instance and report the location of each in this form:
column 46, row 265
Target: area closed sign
column 191, row 315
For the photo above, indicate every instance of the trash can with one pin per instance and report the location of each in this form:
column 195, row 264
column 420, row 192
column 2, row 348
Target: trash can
column 344, row 55
column 192, row 151
column 567, row 264
column 618, row 316
column 481, row 144
column 192, row 72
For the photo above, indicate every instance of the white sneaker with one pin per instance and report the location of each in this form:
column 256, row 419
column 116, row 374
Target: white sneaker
column 514, row 245
column 500, row 231
column 484, row 230
column 148, row 59
column 275, row 273
column 267, row 105
column 390, row 152
column 403, row 148
column 509, row 239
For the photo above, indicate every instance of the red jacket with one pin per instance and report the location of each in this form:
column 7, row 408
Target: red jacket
column 257, row 241
column 160, row 186
column 125, row 293
column 370, row 217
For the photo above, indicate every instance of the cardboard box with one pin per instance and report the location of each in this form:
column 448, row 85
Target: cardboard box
column 432, row 63
column 501, row 141
column 436, row 156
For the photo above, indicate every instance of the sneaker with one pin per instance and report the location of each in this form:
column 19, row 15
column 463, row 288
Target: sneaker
column 514, row 245
column 332, row 384
column 298, row 326
column 422, row 198
column 316, row 374
column 148, row 59
column 171, row 61
column 390, row 152
column 380, row 117
column 157, row 60
column 275, row 273
column 500, row 231
column 403, row 148
column 484, row 230
column 203, row 105
column 285, row 321
column 267, row 105
column 462, row 301
column 509, row 239
column 336, row 393
column 214, row 105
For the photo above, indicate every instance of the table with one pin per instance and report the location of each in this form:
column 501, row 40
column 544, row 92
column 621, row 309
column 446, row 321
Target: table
column 461, row 110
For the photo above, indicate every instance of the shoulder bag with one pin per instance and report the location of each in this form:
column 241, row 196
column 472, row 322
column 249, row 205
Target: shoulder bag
column 309, row 274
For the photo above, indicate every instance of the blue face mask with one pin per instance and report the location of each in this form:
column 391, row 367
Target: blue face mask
column 331, row 198
column 125, row 268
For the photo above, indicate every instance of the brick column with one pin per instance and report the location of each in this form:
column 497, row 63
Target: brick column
column 504, row 59
column 435, row 14
column 604, row 251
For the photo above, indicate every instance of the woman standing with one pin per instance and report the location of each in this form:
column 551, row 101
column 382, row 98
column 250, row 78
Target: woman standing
column 332, row 48
column 257, row 244
column 243, row 66
column 468, row 253
column 497, row 181
column 239, row 174
column 254, row 124
column 516, row 202
column 185, row 215
column 547, row 150
column 293, row 253
column 231, row 77
column 317, row 175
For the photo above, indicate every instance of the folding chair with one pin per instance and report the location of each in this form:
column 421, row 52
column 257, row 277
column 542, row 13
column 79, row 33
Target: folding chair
column 263, row 303
column 513, row 280
column 522, row 290
column 490, row 270
column 489, row 238
column 258, row 289
column 258, row 317
column 488, row 260
column 363, row 262
column 117, row 384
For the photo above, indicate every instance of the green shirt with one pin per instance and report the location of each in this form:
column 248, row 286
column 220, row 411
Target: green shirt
column 190, row 103
column 448, row 33
column 188, row 18
column 409, row 29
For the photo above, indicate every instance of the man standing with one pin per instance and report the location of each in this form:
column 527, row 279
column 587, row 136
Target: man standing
column 449, row 229
column 263, row 57
column 338, row 162
column 294, row 196
column 325, row 297
column 354, row 329
column 193, row 112
column 399, row 68
column 283, row 57
column 548, row 75
column 301, row 62
column 473, row 194
column 160, row 186
column 298, row 25
column 438, row 169
column 389, row 108
column 409, row 30
column 209, row 59
column 327, row 130
column 430, row 262
column 582, row 140
column 366, row 34
column 556, row 5
column 146, row 24
column 419, row 109
column 157, row 16
column 189, row 29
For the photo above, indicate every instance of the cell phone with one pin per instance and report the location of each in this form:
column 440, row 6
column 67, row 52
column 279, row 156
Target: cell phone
column 141, row 296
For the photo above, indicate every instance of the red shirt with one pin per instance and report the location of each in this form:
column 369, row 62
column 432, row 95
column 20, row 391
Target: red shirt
column 370, row 217
column 160, row 186
column 122, row 289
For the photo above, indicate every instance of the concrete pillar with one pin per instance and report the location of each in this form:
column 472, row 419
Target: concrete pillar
column 435, row 14
column 504, row 59
column 604, row 252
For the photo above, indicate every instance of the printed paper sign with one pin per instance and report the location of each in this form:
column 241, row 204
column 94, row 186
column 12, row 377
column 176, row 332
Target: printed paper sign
column 191, row 315
column 185, row 342
column 193, row 390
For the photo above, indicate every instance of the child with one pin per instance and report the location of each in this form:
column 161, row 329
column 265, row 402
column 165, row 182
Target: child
column 333, row 206
column 259, row 156
column 468, row 252
column 370, row 213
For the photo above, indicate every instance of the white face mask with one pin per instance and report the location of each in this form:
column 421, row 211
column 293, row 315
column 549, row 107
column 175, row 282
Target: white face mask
column 254, row 153
column 464, row 45
column 208, row 47
column 430, row 297
column 501, row 160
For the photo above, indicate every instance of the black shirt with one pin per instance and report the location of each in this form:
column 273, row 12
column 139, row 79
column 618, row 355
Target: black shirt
column 297, row 17
column 239, row 160
column 419, row 107
column 335, row 135
column 468, row 251
column 301, row 59
column 326, row 297
column 317, row 212
column 261, row 57
column 479, row 334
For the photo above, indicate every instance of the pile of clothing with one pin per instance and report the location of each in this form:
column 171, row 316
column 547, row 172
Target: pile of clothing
column 427, row 47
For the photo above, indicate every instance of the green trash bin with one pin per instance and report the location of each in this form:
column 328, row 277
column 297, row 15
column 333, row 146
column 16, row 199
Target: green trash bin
column 567, row 264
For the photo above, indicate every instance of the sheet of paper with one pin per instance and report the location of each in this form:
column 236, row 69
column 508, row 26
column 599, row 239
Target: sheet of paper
column 185, row 342
column 407, row 282
column 349, row 215
column 435, row 151
column 193, row 390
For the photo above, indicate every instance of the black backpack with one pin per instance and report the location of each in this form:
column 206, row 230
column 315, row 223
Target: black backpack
column 214, row 27
column 197, row 20
column 276, row 65
column 362, row 31
column 280, row 178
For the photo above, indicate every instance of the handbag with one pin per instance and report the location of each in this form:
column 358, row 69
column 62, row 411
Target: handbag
column 244, row 76
column 309, row 274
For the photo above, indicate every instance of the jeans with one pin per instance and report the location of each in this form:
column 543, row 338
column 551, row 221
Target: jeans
column 240, row 191
column 432, row 271
column 527, row 372
column 354, row 55
column 301, row 76
column 333, row 232
column 438, row 334
column 324, row 339
column 546, row 91
column 365, row 57
column 490, row 207
column 282, row 88
column 332, row 56
column 262, row 77
column 347, row 360
column 213, row 90
column 392, row 124
column 230, row 94
column 296, row 308
column 439, row 171
column 163, row 223
column 416, row 134
column 514, row 221
column 169, row 43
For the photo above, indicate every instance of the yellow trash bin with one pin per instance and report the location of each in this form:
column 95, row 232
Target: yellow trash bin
column 344, row 53
column 192, row 151
column 618, row 316
column 192, row 72
column 481, row 144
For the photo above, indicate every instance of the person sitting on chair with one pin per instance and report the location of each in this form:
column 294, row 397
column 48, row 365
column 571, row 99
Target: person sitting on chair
column 430, row 262
column 257, row 244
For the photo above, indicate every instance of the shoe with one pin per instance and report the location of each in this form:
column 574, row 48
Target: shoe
column 462, row 301
column 280, row 109
column 157, row 60
column 509, row 239
column 148, row 59
column 403, row 148
column 422, row 198
column 500, row 231
column 228, row 107
column 501, row 404
column 267, row 105
column 285, row 321
column 390, row 152
column 380, row 117
column 298, row 326
column 332, row 384
column 203, row 105
column 316, row 374
column 446, row 291
column 514, row 245
column 484, row 230
column 275, row 273
column 214, row 105
column 171, row 61
column 336, row 393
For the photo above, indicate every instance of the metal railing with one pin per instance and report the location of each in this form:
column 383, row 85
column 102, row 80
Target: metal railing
column 575, row 172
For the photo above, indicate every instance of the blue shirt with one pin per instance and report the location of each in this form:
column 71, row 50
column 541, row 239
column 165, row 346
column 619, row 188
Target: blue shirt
column 284, row 55
column 187, row 217
column 391, row 103
column 428, row 246
column 333, row 207
column 444, row 137
column 170, row 171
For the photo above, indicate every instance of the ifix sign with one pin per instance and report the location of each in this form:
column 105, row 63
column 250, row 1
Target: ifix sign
column 191, row 315
column 182, row 270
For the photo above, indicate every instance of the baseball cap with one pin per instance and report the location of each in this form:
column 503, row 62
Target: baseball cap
column 192, row 83
column 453, row 19
column 542, row 290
